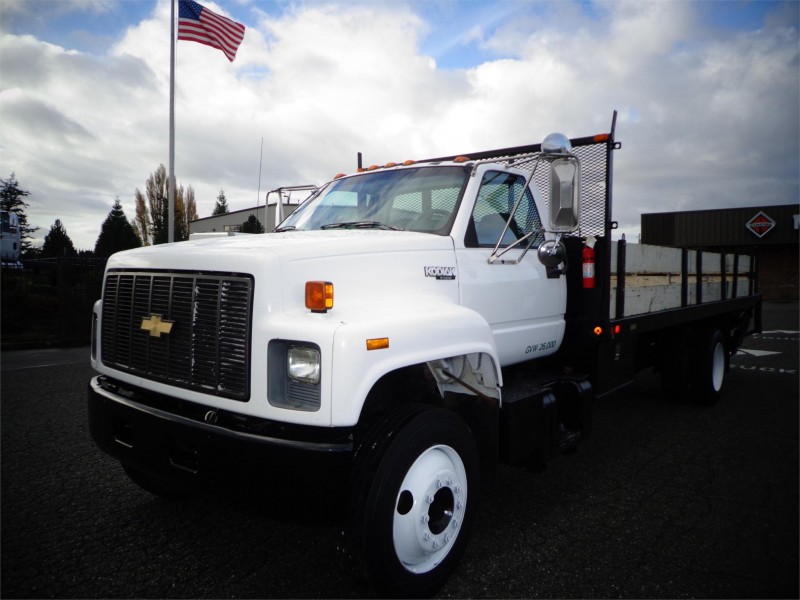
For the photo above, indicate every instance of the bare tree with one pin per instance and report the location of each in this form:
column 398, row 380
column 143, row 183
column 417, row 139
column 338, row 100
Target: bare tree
column 152, row 215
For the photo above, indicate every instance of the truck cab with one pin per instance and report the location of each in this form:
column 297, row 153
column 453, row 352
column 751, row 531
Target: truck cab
column 483, row 208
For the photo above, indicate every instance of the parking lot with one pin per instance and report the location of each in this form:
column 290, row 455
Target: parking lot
column 666, row 500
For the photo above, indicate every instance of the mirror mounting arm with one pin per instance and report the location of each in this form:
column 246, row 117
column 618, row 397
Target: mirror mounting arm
column 494, row 257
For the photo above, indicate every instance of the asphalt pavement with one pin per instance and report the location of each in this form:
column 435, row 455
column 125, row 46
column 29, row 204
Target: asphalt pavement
column 666, row 500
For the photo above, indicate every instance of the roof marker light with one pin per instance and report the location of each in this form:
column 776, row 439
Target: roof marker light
column 461, row 159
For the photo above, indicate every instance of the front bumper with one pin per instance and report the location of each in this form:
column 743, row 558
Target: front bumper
column 190, row 444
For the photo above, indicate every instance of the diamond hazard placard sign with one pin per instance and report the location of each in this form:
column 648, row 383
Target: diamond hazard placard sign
column 760, row 224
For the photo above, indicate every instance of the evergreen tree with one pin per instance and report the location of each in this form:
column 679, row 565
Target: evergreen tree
column 11, row 200
column 116, row 233
column 252, row 225
column 221, row 207
column 57, row 243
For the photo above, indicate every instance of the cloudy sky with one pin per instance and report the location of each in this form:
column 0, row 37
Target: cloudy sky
column 708, row 95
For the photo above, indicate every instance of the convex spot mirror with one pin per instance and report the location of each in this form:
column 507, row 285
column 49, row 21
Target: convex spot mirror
column 552, row 253
column 565, row 177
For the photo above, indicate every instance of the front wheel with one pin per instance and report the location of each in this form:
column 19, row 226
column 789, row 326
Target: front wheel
column 412, row 515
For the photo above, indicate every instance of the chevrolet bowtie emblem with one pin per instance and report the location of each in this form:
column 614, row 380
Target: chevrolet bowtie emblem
column 156, row 326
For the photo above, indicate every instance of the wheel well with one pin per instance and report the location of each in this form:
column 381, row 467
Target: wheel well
column 686, row 337
column 413, row 384
column 416, row 384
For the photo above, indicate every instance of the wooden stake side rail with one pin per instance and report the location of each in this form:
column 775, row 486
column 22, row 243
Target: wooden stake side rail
column 647, row 279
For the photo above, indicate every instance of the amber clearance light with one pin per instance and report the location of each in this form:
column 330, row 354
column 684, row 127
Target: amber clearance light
column 319, row 295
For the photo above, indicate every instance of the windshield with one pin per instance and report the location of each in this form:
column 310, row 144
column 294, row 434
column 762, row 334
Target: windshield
column 422, row 199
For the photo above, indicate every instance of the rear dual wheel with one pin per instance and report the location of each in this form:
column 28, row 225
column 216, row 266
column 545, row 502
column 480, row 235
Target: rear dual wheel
column 711, row 363
column 694, row 366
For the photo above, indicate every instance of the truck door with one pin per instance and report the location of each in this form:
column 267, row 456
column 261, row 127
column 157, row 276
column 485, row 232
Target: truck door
column 524, row 308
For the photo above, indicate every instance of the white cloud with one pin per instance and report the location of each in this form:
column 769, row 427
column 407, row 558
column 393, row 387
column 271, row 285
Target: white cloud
column 706, row 120
column 47, row 9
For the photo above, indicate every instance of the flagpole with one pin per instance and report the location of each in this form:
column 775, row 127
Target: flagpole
column 260, row 158
column 171, row 208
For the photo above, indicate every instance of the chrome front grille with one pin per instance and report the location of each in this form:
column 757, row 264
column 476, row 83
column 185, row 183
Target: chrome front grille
column 208, row 346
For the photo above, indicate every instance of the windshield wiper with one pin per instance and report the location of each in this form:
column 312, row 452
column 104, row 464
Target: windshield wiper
column 284, row 228
column 360, row 225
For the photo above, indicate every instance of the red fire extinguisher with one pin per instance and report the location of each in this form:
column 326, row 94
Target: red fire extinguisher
column 588, row 263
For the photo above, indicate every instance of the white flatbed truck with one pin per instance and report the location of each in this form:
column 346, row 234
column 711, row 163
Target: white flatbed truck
column 409, row 326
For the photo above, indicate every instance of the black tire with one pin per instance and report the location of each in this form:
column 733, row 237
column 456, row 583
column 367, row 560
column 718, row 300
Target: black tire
column 675, row 366
column 711, row 360
column 414, row 500
column 157, row 487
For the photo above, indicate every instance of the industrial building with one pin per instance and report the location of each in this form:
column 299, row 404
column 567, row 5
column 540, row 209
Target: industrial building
column 279, row 204
column 771, row 233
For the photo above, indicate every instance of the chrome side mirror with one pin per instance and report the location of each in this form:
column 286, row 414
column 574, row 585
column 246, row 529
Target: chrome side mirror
column 565, row 178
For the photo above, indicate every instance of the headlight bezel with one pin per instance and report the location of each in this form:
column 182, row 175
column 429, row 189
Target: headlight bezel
column 295, row 391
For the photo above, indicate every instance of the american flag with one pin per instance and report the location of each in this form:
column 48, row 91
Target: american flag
column 198, row 24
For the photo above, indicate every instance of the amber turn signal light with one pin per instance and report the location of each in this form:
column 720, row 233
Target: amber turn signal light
column 377, row 344
column 319, row 295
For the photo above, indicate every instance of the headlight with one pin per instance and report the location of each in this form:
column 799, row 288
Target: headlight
column 293, row 375
column 302, row 364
